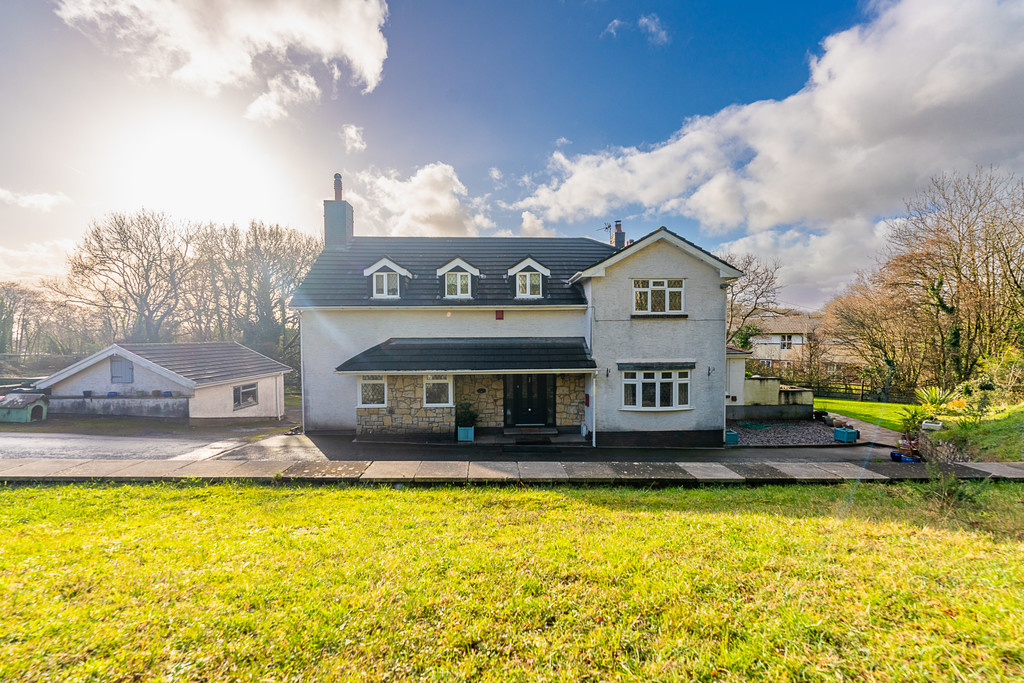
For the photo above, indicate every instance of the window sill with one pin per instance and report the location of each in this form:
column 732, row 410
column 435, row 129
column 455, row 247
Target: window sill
column 636, row 409
column 246, row 405
column 657, row 316
column 382, row 405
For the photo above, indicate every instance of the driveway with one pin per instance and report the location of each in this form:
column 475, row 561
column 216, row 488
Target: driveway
column 111, row 447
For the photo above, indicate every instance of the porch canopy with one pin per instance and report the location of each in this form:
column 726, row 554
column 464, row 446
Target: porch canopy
column 498, row 355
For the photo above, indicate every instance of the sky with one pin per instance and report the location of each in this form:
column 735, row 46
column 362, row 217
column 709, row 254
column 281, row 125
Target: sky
column 793, row 130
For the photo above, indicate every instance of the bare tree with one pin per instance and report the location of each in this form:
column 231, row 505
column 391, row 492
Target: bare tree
column 754, row 293
column 133, row 268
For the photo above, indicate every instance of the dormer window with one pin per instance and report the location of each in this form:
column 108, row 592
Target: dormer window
column 529, row 278
column 458, row 279
column 528, row 285
column 385, row 285
column 386, row 277
column 457, row 285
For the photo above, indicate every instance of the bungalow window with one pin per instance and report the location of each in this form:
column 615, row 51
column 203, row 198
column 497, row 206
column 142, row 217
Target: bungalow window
column 528, row 285
column 657, row 296
column 122, row 371
column 456, row 285
column 656, row 390
column 786, row 342
column 373, row 391
column 245, row 395
column 385, row 285
column 437, row 390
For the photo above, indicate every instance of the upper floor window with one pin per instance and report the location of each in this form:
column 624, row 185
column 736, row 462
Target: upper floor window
column 786, row 341
column 657, row 296
column 528, row 285
column 122, row 371
column 456, row 285
column 385, row 285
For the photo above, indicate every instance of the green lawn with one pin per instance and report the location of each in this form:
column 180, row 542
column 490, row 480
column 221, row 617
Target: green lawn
column 251, row 583
column 997, row 437
column 883, row 414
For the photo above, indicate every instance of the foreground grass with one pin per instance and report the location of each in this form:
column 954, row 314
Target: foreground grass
column 189, row 583
column 882, row 414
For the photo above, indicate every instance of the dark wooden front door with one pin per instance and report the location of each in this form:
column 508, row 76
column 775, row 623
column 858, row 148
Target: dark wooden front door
column 529, row 400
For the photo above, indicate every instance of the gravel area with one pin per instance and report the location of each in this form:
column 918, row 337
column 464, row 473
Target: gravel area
column 782, row 432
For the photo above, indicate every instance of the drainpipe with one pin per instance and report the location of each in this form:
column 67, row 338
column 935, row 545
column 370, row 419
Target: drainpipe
column 593, row 411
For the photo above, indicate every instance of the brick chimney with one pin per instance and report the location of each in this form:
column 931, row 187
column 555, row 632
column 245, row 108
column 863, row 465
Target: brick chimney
column 618, row 237
column 338, row 225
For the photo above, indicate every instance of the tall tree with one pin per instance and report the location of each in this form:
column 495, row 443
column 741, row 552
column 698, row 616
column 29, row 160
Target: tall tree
column 754, row 293
column 133, row 268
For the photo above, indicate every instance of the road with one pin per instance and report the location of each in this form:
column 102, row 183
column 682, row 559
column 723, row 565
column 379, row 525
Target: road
column 110, row 447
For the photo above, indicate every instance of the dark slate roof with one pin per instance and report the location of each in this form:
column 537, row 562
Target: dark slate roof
column 736, row 351
column 336, row 279
column 473, row 353
column 209, row 362
column 13, row 401
column 637, row 243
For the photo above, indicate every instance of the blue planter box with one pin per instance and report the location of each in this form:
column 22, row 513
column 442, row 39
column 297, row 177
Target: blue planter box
column 731, row 437
column 111, row 394
column 465, row 433
column 845, row 435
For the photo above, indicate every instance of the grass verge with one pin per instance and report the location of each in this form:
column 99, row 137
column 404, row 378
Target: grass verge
column 882, row 414
column 997, row 437
column 180, row 582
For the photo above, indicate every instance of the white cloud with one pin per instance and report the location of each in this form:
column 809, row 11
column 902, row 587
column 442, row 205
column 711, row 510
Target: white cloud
column 433, row 202
column 284, row 91
column 924, row 86
column 651, row 25
column 210, row 44
column 495, row 173
column 39, row 201
column 534, row 227
column 34, row 261
column 353, row 137
column 612, row 28
column 562, row 141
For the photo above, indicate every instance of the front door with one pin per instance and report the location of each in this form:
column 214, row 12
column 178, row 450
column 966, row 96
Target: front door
column 529, row 400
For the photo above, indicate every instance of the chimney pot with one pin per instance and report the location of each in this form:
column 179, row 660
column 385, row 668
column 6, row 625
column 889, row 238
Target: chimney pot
column 337, row 187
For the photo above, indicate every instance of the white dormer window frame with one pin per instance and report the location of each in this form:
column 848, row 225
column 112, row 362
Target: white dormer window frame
column 387, row 263
column 529, row 285
column 529, row 263
column 458, row 284
column 386, row 285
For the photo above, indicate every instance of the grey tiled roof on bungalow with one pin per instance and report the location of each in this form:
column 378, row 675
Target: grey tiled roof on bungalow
column 208, row 362
column 337, row 278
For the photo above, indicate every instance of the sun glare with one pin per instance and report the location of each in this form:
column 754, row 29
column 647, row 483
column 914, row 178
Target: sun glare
column 196, row 165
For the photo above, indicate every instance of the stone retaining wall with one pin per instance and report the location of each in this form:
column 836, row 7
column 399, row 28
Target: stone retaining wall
column 405, row 413
column 489, row 403
column 569, row 396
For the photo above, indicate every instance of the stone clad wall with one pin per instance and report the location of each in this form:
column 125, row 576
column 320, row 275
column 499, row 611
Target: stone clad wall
column 569, row 396
column 489, row 404
column 405, row 413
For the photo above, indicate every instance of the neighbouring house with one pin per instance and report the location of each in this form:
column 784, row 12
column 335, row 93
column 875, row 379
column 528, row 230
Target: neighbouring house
column 195, row 381
column 23, row 407
column 791, row 343
column 623, row 344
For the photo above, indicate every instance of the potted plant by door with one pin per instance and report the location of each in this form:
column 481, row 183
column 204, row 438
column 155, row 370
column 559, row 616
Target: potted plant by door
column 465, row 420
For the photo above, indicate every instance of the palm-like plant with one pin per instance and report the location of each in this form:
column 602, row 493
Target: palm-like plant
column 934, row 399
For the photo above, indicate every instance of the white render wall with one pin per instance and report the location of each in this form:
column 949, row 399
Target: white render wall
column 96, row 378
column 617, row 337
column 218, row 400
column 736, row 371
column 332, row 336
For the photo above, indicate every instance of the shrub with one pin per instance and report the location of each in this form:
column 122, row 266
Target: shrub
column 935, row 399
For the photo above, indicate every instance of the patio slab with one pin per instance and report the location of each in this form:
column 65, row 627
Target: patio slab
column 337, row 470
column 442, row 471
column 807, row 473
column 589, row 472
column 1002, row 470
column 96, row 469
column 260, row 469
column 711, row 472
column 151, row 469
column 14, row 463
column 637, row 472
column 849, row 471
column 41, row 468
column 759, row 473
column 483, row 471
column 390, row 471
column 540, row 472
column 207, row 469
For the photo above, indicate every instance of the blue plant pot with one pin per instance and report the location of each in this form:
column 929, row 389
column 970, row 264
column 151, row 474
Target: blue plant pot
column 732, row 437
column 465, row 433
column 844, row 435
column 87, row 394
column 111, row 394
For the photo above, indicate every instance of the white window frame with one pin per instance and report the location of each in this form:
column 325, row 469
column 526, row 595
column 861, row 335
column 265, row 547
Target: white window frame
column 524, row 280
column 373, row 379
column 675, row 378
column 239, row 390
column 786, row 342
column 460, row 278
column 438, row 379
column 380, row 284
column 654, row 285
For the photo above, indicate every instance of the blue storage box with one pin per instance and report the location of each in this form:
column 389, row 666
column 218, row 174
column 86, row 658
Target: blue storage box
column 844, row 435
column 731, row 437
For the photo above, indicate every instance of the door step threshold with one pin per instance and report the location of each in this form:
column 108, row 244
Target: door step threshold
column 530, row 431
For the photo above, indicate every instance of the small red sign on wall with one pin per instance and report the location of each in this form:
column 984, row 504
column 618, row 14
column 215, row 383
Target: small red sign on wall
column 499, row 315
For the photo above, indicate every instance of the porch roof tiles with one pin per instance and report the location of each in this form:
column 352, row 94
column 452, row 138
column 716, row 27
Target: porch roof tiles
column 472, row 354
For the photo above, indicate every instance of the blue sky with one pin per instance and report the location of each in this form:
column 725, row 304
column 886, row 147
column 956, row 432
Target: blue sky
column 793, row 130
